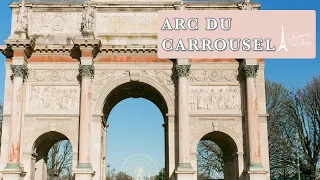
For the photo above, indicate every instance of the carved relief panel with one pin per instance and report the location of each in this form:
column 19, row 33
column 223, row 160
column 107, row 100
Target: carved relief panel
column 226, row 99
column 53, row 99
column 126, row 23
column 51, row 23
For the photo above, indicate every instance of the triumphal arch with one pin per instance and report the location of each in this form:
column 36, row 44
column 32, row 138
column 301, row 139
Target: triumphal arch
column 69, row 62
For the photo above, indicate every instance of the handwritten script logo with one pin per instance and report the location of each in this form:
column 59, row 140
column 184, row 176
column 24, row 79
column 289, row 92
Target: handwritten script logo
column 299, row 40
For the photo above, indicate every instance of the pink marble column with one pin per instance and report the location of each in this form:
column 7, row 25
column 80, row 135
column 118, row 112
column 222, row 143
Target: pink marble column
column 19, row 72
column 183, row 116
column 250, row 72
column 86, row 73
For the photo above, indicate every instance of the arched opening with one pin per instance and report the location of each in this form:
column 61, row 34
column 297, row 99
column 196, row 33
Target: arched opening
column 217, row 157
column 136, row 115
column 52, row 157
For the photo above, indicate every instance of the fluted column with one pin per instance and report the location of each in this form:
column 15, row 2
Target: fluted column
column 87, row 51
column 182, row 72
column 19, row 50
column 86, row 72
column 19, row 73
column 250, row 73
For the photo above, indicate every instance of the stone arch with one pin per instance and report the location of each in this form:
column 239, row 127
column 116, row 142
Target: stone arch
column 41, row 131
column 208, row 130
column 149, row 81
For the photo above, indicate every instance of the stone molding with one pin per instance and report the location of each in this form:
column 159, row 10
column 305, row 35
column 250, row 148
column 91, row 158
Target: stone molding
column 250, row 70
column 247, row 6
column 200, row 127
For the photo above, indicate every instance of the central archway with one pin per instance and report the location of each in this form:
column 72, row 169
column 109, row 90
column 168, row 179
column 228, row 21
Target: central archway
column 135, row 89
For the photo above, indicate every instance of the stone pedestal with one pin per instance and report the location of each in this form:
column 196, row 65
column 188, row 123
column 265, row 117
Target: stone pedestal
column 256, row 175
column 187, row 175
column 83, row 174
column 13, row 172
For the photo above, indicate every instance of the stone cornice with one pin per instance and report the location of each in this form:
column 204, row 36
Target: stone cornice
column 6, row 51
column 88, row 44
column 27, row 45
column 143, row 6
column 129, row 50
column 53, row 49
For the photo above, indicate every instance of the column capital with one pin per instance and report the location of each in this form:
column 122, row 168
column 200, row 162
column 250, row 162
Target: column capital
column 250, row 70
column 182, row 70
column 86, row 70
column 19, row 70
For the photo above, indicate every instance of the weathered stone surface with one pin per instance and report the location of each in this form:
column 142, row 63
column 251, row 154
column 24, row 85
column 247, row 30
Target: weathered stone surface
column 211, row 97
column 126, row 23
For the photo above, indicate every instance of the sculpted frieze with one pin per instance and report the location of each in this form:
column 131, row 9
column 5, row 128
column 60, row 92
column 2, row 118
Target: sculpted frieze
column 52, row 75
column 213, row 75
column 215, row 98
column 53, row 99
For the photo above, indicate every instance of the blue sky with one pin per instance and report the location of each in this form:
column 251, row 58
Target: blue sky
column 136, row 124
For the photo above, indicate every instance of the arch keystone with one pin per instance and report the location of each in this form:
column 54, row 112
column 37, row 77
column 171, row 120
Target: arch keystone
column 135, row 74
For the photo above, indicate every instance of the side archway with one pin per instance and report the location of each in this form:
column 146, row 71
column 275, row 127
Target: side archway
column 230, row 146
column 34, row 136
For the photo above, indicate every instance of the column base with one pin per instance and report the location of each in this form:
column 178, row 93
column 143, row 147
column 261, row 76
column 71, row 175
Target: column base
column 255, row 167
column 184, row 171
column 185, row 175
column 256, row 172
column 184, row 167
column 84, row 172
column 256, row 175
column 13, row 171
